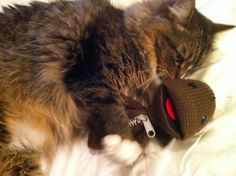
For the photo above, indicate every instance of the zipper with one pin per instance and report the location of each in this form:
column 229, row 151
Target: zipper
column 150, row 131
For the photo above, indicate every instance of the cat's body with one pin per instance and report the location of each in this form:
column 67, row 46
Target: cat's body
column 64, row 65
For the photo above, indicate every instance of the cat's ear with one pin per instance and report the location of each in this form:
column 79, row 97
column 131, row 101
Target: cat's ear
column 183, row 10
column 221, row 27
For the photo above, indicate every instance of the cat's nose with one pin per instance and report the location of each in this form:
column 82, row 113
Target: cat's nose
column 177, row 74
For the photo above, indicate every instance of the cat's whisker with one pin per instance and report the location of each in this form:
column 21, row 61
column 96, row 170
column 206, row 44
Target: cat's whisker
column 160, row 74
column 145, row 87
column 15, row 53
column 144, row 71
column 146, row 83
column 160, row 66
column 164, row 71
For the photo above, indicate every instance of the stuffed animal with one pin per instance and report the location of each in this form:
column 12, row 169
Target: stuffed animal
column 180, row 109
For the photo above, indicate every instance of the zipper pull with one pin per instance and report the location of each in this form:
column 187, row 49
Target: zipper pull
column 150, row 131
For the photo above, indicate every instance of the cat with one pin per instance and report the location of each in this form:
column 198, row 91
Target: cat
column 64, row 65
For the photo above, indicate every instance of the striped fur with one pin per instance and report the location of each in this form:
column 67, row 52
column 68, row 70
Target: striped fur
column 63, row 66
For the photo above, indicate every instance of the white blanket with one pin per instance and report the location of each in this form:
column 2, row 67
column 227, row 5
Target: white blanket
column 211, row 154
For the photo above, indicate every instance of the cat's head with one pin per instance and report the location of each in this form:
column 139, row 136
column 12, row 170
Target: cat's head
column 178, row 37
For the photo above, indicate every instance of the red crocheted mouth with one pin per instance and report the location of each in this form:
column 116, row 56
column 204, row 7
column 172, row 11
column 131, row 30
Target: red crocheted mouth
column 170, row 109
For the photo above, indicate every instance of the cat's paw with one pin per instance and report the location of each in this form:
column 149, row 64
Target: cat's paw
column 122, row 150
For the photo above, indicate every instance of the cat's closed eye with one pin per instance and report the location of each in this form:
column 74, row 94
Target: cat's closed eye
column 184, row 39
column 178, row 59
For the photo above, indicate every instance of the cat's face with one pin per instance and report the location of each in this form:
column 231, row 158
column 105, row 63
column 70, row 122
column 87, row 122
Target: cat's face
column 181, row 36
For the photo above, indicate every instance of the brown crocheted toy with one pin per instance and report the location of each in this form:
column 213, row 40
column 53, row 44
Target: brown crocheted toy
column 180, row 109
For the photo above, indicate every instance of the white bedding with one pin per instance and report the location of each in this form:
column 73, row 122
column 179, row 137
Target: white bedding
column 213, row 154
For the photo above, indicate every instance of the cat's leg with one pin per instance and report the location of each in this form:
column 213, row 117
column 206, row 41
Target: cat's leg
column 15, row 158
column 19, row 163
column 108, row 121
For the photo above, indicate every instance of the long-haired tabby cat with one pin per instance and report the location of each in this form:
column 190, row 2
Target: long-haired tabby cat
column 63, row 66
